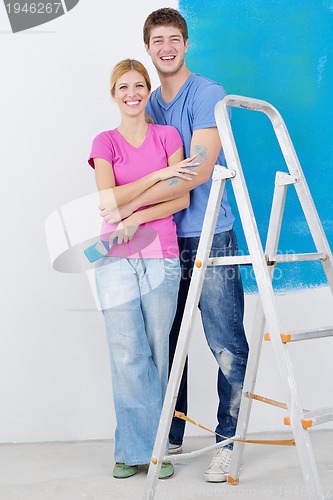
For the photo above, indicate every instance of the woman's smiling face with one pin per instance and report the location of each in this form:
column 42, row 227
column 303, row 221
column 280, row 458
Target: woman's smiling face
column 131, row 93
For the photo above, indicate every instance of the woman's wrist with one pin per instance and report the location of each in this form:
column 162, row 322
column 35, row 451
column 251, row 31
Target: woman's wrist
column 134, row 219
column 156, row 176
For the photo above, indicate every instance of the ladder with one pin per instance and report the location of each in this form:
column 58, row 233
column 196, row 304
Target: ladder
column 266, row 314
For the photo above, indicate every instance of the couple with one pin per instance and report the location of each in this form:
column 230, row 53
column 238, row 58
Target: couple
column 153, row 204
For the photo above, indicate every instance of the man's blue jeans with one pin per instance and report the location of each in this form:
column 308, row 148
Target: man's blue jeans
column 138, row 298
column 222, row 309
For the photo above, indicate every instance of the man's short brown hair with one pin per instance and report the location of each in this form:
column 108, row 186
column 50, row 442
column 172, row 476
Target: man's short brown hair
column 164, row 17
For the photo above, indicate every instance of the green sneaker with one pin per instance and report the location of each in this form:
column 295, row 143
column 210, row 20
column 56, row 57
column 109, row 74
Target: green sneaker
column 122, row 471
column 166, row 471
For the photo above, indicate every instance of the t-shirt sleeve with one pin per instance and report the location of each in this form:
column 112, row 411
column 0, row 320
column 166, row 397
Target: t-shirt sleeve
column 204, row 105
column 101, row 147
column 173, row 141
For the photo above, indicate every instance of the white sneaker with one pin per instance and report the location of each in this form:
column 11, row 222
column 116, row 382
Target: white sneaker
column 174, row 449
column 218, row 469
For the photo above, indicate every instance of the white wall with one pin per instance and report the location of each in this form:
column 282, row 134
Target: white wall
column 54, row 372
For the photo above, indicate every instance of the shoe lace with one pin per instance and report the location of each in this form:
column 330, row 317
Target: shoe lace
column 222, row 459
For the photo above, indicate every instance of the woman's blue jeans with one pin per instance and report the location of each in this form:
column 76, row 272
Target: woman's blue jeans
column 222, row 308
column 139, row 299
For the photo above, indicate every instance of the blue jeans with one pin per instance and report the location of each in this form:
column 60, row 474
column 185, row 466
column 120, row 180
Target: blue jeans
column 222, row 309
column 139, row 299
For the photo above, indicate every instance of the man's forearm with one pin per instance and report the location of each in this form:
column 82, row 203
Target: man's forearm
column 167, row 190
column 206, row 146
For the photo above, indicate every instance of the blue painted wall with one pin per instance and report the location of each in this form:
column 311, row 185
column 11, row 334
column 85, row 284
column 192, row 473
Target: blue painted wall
column 280, row 51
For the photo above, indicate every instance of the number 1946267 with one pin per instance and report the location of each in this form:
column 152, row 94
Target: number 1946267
column 33, row 8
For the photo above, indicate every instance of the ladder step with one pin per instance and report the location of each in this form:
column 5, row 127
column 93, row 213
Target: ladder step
column 271, row 259
column 303, row 335
column 315, row 417
column 229, row 260
column 296, row 257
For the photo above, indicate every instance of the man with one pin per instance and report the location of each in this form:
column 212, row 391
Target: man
column 186, row 101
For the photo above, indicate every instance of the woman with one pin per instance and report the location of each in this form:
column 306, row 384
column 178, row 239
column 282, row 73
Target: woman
column 137, row 283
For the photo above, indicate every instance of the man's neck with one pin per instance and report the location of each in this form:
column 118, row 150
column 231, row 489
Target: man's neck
column 171, row 84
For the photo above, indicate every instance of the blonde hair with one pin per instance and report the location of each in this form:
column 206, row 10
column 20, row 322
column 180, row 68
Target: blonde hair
column 123, row 67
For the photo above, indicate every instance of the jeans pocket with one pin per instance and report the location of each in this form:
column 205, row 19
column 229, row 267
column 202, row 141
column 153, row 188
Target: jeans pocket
column 224, row 244
column 171, row 267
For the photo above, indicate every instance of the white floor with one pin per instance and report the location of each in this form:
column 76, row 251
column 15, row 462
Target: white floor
column 82, row 470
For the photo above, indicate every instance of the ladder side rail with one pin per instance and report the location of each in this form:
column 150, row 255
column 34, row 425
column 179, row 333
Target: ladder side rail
column 248, row 386
column 316, row 229
column 273, row 235
column 309, row 469
column 205, row 242
column 275, row 220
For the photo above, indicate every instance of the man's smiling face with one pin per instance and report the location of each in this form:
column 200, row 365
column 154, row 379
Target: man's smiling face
column 167, row 49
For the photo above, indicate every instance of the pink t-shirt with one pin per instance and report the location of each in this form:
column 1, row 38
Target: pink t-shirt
column 153, row 239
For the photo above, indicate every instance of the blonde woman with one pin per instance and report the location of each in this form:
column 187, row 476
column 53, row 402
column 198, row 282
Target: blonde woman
column 138, row 281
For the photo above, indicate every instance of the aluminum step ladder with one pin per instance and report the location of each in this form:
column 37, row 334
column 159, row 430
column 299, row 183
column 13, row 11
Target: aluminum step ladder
column 263, row 262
